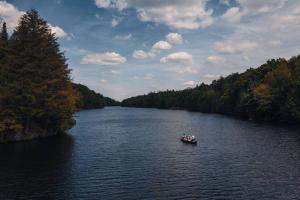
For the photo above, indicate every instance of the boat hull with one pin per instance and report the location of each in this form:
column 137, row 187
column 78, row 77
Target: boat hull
column 188, row 142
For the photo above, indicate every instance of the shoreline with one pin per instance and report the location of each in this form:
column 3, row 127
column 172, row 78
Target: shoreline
column 21, row 137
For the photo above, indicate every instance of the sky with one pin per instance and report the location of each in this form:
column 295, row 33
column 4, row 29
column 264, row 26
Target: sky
column 124, row 48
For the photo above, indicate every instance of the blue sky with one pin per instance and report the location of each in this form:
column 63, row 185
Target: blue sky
column 123, row 48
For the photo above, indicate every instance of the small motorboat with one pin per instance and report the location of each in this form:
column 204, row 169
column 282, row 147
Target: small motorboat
column 188, row 139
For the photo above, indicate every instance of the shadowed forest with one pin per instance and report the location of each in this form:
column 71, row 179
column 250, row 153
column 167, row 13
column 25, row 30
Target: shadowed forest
column 37, row 96
column 269, row 93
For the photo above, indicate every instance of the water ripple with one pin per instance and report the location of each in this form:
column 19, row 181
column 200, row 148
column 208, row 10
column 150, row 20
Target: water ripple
column 127, row 153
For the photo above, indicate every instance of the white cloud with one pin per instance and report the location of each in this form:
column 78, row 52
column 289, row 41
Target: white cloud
column 189, row 83
column 258, row 38
column 116, row 21
column 174, row 38
column 103, row 81
column 225, row 2
column 274, row 43
column 117, row 4
column 215, row 59
column 120, row 4
column 286, row 20
column 139, row 54
column 211, row 76
column 254, row 7
column 233, row 15
column 11, row 15
column 70, row 36
column 182, row 69
column 59, row 32
column 235, row 47
column 109, row 58
column 162, row 45
column 148, row 76
column 179, row 57
column 123, row 37
column 115, row 71
column 185, row 70
column 152, row 53
column 102, row 3
column 188, row 14
column 180, row 63
column 261, row 6
column 75, row 51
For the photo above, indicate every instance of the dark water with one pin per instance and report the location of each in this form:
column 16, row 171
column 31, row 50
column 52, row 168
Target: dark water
column 127, row 153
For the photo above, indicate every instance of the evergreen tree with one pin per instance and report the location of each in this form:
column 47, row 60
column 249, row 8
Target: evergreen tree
column 4, row 34
column 8, row 122
column 3, row 41
column 37, row 95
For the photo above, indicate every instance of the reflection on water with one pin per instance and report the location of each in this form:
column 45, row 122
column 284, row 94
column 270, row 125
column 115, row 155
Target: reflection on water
column 128, row 153
column 38, row 169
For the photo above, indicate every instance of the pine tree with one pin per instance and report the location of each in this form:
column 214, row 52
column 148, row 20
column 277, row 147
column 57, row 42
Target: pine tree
column 4, row 34
column 38, row 94
column 8, row 122
column 3, row 41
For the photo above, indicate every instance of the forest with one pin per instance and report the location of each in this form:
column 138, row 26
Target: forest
column 89, row 99
column 270, row 92
column 37, row 96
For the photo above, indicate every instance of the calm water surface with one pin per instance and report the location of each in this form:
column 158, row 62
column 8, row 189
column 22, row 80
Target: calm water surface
column 131, row 153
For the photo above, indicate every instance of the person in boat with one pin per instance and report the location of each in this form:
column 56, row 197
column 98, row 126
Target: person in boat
column 189, row 139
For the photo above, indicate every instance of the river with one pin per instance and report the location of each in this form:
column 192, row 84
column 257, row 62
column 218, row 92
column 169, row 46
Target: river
column 134, row 153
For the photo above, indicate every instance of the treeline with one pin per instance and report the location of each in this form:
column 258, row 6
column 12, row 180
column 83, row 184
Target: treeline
column 37, row 97
column 89, row 99
column 269, row 93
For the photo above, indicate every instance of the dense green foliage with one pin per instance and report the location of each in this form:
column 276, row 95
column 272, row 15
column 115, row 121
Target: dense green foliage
column 89, row 99
column 270, row 93
column 36, row 93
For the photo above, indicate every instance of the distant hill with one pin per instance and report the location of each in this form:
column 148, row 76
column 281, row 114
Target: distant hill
column 89, row 99
column 269, row 93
